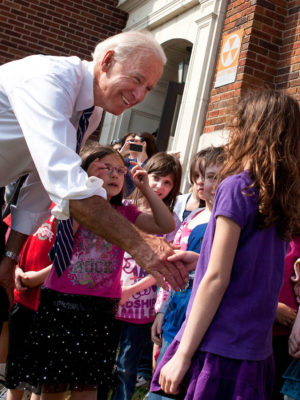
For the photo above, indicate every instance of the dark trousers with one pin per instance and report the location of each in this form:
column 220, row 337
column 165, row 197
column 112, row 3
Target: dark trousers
column 282, row 360
column 133, row 341
column 4, row 304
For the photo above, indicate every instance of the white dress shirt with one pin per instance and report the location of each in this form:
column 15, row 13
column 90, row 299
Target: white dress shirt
column 41, row 102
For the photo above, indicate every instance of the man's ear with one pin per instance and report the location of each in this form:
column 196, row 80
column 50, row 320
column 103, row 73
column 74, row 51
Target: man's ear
column 107, row 60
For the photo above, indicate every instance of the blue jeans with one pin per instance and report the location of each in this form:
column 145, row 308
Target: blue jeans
column 133, row 341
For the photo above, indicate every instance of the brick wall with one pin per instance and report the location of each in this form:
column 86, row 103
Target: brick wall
column 69, row 27
column 270, row 53
column 288, row 66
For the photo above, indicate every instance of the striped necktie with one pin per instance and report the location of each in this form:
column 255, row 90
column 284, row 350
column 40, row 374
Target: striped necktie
column 62, row 249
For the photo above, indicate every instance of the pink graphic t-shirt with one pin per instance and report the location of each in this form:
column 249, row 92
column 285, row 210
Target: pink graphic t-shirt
column 95, row 267
column 183, row 233
column 139, row 308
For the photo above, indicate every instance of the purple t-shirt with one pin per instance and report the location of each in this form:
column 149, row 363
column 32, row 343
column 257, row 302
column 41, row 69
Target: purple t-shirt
column 242, row 326
column 95, row 266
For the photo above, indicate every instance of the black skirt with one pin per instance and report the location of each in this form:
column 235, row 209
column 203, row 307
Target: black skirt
column 20, row 324
column 73, row 344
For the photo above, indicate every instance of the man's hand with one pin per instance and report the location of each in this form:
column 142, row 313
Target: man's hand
column 150, row 252
column 154, row 256
column 7, row 278
column 14, row 243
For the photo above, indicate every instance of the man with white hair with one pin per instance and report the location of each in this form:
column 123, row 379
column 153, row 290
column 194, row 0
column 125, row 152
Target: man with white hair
column 42, row 101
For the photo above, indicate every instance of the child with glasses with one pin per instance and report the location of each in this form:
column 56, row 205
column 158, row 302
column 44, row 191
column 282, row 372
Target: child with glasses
column 75, row 336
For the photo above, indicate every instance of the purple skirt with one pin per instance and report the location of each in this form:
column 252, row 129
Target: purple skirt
column 215, row 377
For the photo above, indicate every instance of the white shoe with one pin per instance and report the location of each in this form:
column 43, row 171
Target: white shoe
column 141, row 381
column 3, row 392
column 26, row 395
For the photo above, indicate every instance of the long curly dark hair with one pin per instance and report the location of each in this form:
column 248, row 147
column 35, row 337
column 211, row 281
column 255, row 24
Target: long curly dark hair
column 265, row 138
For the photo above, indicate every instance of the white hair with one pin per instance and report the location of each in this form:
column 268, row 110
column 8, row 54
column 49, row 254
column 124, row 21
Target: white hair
column 127, row 44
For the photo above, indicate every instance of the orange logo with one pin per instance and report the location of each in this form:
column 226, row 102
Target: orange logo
column 231, row 50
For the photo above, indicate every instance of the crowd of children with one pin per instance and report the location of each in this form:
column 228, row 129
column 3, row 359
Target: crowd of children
column 85, row 333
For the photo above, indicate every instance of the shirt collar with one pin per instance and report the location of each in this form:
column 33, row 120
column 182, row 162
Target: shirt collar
column 85, row 97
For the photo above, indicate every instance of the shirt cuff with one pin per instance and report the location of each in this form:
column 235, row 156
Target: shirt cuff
column 94, row 187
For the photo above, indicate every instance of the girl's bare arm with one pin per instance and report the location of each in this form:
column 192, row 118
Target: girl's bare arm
column 33, row 279
column 161, row 220
column 128, row 291
column 207, row 300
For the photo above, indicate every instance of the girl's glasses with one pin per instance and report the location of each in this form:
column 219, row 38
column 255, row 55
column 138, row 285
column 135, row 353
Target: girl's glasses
column 109, row 169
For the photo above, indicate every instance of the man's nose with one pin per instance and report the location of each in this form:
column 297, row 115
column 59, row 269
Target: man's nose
column 139, row 93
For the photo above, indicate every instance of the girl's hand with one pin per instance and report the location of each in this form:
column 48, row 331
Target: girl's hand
column 31, row 279
column 297, row 292
column 125, row 149
column 172, row 373
column 156, row 329
column 139, row 176
column 294, row 340
column 19, row 274
column 142, row 155
column 188, row 258
column 126, row 294
column 285, row 315
column 175, row 246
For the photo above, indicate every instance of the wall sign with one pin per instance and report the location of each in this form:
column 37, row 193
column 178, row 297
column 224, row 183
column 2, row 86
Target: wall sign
column 228, row 59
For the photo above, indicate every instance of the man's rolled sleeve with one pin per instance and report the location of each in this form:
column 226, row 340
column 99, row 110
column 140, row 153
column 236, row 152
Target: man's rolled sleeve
column 93, row 187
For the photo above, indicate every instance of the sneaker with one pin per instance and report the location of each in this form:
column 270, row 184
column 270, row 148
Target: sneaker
column 141, row 381
column 26, row 395
column 3, row 392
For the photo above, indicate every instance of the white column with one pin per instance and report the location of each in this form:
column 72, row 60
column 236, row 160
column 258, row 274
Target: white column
column 198, row 84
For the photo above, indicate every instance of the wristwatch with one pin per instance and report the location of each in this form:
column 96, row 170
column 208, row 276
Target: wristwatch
column 13, row 256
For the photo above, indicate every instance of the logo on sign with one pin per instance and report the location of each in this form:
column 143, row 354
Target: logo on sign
column 230, row 50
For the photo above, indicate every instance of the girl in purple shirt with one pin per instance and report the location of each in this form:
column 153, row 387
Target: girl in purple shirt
column 224, row 348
